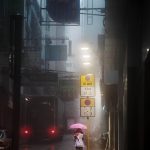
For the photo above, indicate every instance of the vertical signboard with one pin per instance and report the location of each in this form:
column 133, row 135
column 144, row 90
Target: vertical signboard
column 87, row 83
column 87, row 80
column 87, row 92
column 87, row 107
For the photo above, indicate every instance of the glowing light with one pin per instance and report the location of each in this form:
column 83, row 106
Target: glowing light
column 52, row 131
column 84, row 48
column 26, row 99
column 86, row 63
column 86, row 56
column 26, row 131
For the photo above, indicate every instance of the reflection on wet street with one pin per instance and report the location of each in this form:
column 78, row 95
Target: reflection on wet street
column 66, row 144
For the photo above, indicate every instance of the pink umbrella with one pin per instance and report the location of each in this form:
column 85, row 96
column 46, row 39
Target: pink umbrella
column 78, row 125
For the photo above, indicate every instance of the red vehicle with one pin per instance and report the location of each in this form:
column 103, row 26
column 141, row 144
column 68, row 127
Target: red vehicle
column 42, row 119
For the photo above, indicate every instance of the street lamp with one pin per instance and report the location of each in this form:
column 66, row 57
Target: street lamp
column 84, row 48
column 86, row 63
column 86, row 56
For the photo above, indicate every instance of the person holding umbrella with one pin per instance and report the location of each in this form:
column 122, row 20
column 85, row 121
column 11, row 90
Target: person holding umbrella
column 78, row 139
column 78, row 135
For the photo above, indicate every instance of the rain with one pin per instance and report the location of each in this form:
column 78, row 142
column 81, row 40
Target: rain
column 74, row 74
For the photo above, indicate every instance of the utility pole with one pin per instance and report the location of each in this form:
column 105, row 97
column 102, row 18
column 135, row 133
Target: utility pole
column 16, row 24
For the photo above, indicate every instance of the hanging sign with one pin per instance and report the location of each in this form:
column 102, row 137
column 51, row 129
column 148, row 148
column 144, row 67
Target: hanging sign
column 87, row 111
column 87, row 91
column 87, row 80
column 87, row 102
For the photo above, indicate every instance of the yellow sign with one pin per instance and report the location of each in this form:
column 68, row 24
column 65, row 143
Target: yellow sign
column 87, row 111
column 87, row 102
column 87, row 91
column 87, row 80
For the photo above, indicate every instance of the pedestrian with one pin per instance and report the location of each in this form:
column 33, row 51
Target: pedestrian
column 78, row 139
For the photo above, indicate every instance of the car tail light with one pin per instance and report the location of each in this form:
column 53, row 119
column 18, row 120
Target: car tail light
column 52, row 131
column 25, row 131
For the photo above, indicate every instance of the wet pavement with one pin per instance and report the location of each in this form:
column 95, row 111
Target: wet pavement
column 66, row 144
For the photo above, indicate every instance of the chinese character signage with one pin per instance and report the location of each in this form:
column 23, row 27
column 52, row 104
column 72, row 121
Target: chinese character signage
column 87, row 80
column 87, row 92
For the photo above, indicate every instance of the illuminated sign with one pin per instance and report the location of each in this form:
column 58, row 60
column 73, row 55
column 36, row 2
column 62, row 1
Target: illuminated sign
column 87, row 111
column 87, row 80
column 87, row 102
column 87, row 91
